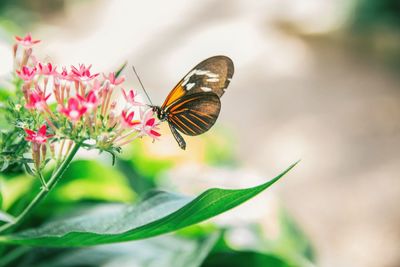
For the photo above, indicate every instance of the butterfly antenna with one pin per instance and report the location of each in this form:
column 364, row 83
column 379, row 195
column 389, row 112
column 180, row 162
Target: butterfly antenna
column 141, row 84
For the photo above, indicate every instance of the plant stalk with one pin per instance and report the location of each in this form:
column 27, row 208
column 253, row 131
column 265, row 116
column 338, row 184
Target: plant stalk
column 43, row 191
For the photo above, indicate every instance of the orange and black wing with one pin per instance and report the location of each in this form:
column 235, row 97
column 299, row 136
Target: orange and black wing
column 210, row 75
column 194, row 114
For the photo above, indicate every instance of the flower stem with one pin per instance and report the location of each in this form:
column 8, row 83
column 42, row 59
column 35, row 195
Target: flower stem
column 43, row 181
column 43, row 191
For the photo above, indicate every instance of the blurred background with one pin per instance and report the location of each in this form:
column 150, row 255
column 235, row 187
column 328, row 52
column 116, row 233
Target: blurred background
column 314, row 80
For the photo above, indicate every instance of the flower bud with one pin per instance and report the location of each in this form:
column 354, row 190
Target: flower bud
column 44, row 150
column 52, row 150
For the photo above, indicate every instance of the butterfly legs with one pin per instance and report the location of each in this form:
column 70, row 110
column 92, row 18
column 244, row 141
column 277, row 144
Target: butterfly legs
column 178, row 137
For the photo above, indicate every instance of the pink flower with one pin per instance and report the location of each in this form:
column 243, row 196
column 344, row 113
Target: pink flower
column 90, row 101
column 114, row 80
column 149, row 126
column 26, row 41
column 26, row 73
column 37, row 100
column 46, row 69
column 130, row 98
column 74, row 111
column 127, row 119
column 83, row 74
column 38, row 137
column 96, row 85
column 64, row 75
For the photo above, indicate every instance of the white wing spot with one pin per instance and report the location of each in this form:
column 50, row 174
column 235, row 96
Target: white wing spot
column 200, row 72
column 212, row 80
column 206, row 89
column 207, row 73
column 212, row 77
column 189, row 86
column 187, row 78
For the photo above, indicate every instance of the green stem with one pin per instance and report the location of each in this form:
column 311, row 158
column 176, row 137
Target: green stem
column 43, row 191
column 42, row 180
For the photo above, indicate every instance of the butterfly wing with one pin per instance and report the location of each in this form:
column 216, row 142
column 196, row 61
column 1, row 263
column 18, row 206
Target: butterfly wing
column 194, row 114
column 210, row 75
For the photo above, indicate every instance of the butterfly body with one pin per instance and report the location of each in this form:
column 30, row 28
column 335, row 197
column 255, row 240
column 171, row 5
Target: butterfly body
column 193, row 106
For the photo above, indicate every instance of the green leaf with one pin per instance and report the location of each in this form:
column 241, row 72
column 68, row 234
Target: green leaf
column 14, row 189
column 1, row 197
column 120, row 69
column 158, row 214
column 5, row 217
column 165, row 251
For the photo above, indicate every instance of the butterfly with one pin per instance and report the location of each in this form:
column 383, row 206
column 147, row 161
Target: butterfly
column 193, row 105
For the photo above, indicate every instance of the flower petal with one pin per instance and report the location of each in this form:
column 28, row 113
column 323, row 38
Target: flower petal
column 42, row 130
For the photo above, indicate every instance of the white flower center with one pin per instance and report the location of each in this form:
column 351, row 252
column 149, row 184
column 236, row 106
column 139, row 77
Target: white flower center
column 74, row 114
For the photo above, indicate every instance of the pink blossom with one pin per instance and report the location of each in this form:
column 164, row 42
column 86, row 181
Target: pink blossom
column 83, row 73
column 46, row 69
column 96, row 85
column 149, row 126
column 130, row 98
column 75, row 110
column 127, row 119
column 64, row 75
column 26, row 41
column 37, row 100
column 26, row 73
column 90, row 101
column 114, row 80
column 38, row 137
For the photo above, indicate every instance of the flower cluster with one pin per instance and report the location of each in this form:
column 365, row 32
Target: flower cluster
column 71, row 105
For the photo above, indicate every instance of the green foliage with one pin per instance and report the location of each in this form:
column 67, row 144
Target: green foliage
column 12, row 149
column 139, row 182
column 370, row 14
column 85, row 179
column 165, row 251
column 245, row 259
column 5, row 217
column 145, row 165
column 15, row 189
column 5, row 94
column 157, row 214
column 13, row 119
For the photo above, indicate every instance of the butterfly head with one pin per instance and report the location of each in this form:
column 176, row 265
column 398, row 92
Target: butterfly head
column 161, row 114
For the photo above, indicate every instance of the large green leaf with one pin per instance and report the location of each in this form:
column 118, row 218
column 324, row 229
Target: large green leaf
column 157, row 214
column 164, row 251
